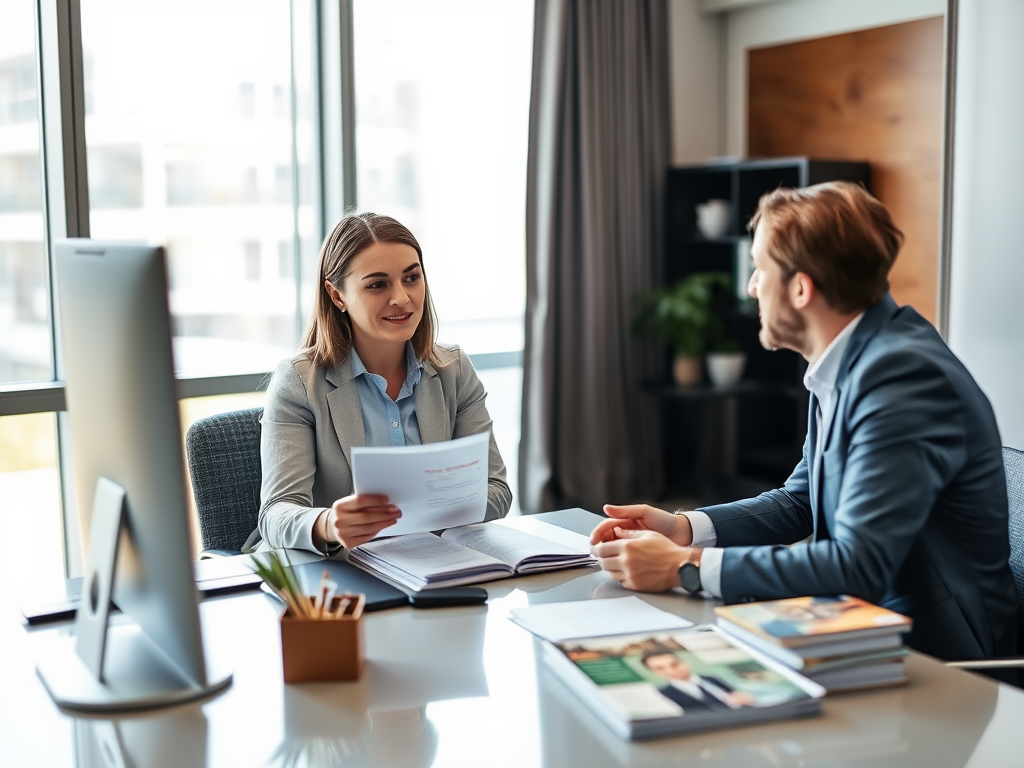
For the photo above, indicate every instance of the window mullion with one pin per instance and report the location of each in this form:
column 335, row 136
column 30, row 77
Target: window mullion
column 62, row 91
column 66, row 190
column 337, row 110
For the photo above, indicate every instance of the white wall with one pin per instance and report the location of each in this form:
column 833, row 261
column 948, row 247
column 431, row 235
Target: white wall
column 695, row 55
column 986, row 317
column 787, row 21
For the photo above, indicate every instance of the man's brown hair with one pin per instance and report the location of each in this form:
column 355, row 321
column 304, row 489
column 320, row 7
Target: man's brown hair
column 836, row 233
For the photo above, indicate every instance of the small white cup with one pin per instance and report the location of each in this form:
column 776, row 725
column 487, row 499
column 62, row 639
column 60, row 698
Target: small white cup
column 713, row 218
column 725, row 369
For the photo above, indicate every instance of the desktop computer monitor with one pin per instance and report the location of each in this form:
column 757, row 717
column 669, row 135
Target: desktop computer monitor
column 131, row 489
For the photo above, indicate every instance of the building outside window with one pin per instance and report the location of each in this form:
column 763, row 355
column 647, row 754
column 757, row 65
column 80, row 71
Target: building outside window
column 208, row 141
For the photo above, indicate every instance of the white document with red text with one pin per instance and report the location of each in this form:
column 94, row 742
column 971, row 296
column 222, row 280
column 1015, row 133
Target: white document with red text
column 437, row 485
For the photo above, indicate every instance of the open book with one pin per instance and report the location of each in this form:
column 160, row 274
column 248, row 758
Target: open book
column 695, row 679
column 470, row 554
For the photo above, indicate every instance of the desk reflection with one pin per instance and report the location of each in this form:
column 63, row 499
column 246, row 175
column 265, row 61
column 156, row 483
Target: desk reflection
column 329, row 726
column 928, row 719
column 171, row 737
column 380, row 721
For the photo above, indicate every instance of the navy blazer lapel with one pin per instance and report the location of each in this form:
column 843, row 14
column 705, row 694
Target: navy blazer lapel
column 874, row 318
column 814, row 460
column 346, row 413
column 431, row 412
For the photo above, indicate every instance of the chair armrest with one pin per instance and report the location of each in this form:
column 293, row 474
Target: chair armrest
column 1008, row 663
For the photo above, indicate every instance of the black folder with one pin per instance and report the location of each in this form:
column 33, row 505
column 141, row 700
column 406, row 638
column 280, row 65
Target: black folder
column 351, row 580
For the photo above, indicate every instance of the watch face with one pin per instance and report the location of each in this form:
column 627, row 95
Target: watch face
column 689, row 577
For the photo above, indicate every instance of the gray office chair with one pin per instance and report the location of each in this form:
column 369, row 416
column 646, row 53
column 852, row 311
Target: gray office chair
column 1013, row 461
column 224, row 462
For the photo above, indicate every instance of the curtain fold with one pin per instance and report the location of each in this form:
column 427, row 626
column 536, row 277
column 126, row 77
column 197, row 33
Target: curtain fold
column 599, row 147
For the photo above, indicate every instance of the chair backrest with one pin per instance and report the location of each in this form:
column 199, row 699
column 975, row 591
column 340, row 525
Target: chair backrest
column 224, row 462
column 1013, row 462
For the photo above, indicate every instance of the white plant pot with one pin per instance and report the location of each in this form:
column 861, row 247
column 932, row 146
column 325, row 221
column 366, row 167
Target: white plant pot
column 688, row 371
column 725, row 369
column 713, row 218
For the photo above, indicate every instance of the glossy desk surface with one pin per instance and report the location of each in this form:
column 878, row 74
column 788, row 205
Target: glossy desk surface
column 466, row 687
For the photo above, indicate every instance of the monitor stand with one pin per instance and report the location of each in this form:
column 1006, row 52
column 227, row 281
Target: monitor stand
column 107, row 668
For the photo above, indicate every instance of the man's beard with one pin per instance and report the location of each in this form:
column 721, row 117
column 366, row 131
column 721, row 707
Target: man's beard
column 785, row 331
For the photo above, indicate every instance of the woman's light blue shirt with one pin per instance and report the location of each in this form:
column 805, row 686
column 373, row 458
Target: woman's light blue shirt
column 386, row 421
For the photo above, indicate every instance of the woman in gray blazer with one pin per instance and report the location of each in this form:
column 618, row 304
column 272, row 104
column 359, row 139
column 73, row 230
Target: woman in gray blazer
column 369, row 373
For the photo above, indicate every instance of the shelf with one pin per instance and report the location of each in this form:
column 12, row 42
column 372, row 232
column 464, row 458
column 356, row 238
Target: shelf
column 734, row 430
column 707, row 391
column 729, row 240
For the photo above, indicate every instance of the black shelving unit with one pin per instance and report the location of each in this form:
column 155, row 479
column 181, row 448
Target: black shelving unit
column 720, row 444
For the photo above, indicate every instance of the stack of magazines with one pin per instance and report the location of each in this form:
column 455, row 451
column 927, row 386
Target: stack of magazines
column 694, row 679
column 842, row 643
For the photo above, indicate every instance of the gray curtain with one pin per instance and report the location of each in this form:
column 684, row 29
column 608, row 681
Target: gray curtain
column 599, row 146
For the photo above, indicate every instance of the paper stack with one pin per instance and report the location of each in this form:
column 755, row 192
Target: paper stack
column 842, row 643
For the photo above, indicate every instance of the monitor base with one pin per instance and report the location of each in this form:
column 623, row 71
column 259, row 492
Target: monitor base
column 136, row 676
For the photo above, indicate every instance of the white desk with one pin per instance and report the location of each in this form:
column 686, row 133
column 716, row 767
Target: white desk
column 465, row 687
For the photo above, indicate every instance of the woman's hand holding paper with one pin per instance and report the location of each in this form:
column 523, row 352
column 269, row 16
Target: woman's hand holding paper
column 356, row 519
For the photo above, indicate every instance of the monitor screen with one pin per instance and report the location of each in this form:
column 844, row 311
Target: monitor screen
column 115, row 339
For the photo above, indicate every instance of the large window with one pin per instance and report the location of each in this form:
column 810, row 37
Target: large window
column 30, row 499
column 29, row 486
column 442, row 106
column 212, row 126
column 190, row 134
column 26, row 351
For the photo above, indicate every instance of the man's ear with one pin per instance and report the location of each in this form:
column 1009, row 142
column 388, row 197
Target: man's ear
column 801, row 291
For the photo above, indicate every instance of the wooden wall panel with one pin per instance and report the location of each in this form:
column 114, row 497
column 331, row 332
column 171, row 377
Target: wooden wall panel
column 872, row 95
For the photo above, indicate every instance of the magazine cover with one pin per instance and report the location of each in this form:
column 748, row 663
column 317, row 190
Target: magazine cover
column 686, row 679
column 801, row 620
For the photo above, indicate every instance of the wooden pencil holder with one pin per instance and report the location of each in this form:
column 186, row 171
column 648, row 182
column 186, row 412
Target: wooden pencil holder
column 320, row 650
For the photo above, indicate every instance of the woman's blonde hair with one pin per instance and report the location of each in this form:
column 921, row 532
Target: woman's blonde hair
column 329, row 337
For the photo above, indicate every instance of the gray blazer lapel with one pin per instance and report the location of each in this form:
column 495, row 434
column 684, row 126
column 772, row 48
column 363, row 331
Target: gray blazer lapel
column 431, row 411
column 346, row 414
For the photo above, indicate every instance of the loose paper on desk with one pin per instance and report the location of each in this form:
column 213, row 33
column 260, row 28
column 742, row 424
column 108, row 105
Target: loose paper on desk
column 558, row 622
column 437, row 485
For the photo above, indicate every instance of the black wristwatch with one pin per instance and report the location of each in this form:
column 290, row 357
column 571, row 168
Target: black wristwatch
column 689, row 577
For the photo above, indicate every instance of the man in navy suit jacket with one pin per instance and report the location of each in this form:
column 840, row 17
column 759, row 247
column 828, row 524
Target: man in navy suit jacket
column 901, row 485
column 694, row 693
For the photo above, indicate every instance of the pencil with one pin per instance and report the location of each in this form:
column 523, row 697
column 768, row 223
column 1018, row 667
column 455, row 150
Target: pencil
column 342, row 608
column 321, row 598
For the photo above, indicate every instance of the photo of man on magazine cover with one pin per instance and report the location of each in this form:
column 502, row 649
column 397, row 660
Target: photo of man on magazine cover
column 696, row 670
column 692, row 691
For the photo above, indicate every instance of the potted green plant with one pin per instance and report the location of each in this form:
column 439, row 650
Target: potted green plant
column 725, row 357
column 689, row 317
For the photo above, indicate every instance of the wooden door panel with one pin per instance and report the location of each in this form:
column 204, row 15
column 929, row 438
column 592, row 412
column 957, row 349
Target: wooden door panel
column 873, row 95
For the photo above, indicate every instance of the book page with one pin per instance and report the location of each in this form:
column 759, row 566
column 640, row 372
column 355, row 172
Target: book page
column 542, row 530
column 426, row 554
column 506, row 544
